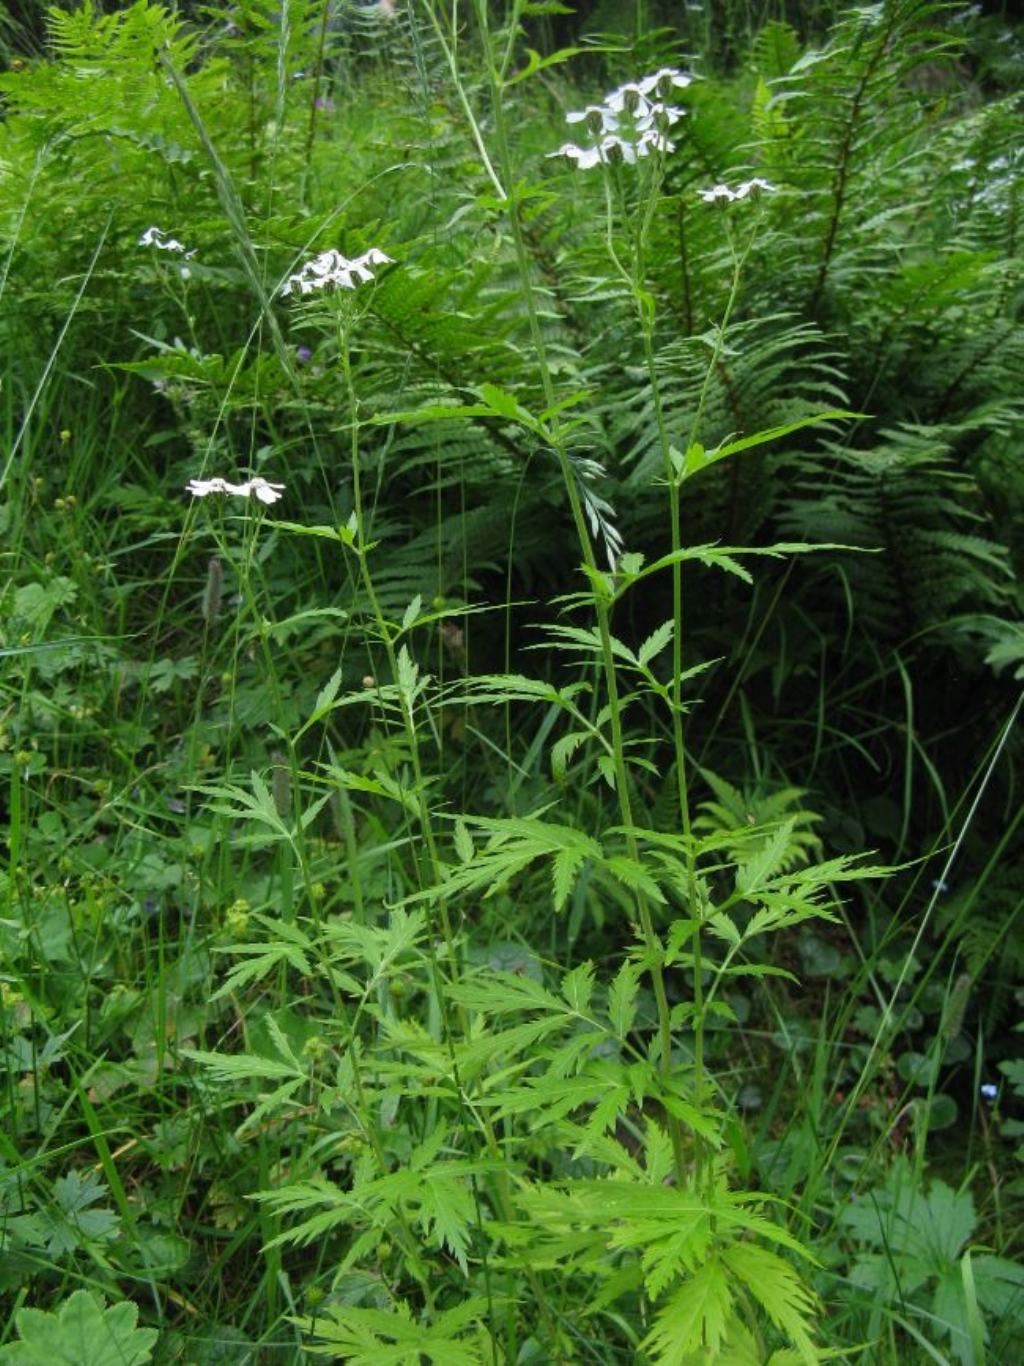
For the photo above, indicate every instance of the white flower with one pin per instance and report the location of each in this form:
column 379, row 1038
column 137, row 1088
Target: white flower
column 754, row 187
column 609, row 149
column 631, row 123
column 653, row 141
column 664, row 81
column 583, row 156
column 597, row 117
column 156, row 237
column 659, row 116
column 716, row 193
column 629, row 99
column 330, row 268
column 265, row 492
column 722, row 193
column 614, row 149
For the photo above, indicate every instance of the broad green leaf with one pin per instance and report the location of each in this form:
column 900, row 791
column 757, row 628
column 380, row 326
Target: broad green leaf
column 36, row 603
column 1000, row 1285
column 83, row 1332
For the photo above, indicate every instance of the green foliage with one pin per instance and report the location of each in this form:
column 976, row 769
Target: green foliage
column 912, row 1250
column 351, row 1334
column 432, row 916
column 83, row 1329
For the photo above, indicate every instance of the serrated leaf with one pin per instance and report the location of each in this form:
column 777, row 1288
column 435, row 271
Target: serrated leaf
column 389, row 1336
column 463, row 841
column 578, row 987
column 74, row 1221
column 447, row 1213
column 564, row 867
column 622, row 996
column 243, row 1066
column 562, row 751
column 36, row 603
column 787, row 1301
column 721, row 925
column 695, row 1316
column 634, row 876
column 326, row 695
column 655, row 642
column 408, row 672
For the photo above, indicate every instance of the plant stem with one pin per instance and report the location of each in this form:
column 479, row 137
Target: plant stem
column 600, row 600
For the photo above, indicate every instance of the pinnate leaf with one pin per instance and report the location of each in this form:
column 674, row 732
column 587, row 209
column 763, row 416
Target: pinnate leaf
column 696, row 1315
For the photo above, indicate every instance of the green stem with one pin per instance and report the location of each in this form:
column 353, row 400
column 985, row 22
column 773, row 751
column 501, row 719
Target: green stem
column 600, row 600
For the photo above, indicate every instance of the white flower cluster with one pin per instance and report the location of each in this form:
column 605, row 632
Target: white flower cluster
column 156, row 237
column 721, row 194
column 632, row 122
column 265, row 492
column 330, row 268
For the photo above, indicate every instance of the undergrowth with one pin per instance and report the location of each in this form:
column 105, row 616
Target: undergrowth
column 510, row 664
